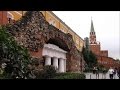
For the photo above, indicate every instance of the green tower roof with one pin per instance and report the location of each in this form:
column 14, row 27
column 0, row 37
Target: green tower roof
column 92, row 27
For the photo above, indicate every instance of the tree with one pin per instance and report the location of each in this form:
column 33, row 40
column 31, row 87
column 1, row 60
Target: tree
column 92, row 59
column 89, row 57
column 14, row 56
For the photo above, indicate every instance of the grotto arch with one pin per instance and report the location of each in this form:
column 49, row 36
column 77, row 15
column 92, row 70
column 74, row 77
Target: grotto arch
column 33, row 32
column 58, row 42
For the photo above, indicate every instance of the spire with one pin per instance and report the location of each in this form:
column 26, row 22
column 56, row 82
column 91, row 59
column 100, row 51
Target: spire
column 92, row 27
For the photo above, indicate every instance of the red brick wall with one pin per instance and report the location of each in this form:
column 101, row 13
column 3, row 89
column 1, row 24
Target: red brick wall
column 104, row 53
column 37, row 54
column 107, row 62
column 3, row 17
column 95, row 49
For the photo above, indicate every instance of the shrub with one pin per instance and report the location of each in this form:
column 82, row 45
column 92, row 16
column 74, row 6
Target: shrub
column 48, row 72
column 15, row 57
column 69, row 76
column 88, row 70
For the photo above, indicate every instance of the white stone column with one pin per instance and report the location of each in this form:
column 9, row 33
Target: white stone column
column 47, row 60
column 55, row 62
column 64, row 65
column 61, row 65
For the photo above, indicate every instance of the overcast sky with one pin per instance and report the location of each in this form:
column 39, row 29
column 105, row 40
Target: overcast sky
column 106, row 25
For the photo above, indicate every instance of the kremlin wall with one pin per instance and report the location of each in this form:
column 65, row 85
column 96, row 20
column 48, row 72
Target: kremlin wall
column 52, row 19
column 12, row 16
column 45, row 42
column 102, row 55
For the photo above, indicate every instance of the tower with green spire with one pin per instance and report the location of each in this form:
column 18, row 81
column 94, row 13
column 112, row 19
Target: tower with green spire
column 92, row 34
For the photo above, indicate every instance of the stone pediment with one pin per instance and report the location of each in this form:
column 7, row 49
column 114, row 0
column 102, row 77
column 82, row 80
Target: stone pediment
column 54, row 47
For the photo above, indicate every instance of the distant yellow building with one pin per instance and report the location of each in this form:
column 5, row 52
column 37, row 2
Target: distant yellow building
column 55, row 21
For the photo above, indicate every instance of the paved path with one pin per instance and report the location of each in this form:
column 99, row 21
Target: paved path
column 93, row 76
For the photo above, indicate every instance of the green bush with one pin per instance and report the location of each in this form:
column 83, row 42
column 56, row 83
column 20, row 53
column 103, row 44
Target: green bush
column 69, row 76
column 88, row 69
column 48, row 72
column 15, row 57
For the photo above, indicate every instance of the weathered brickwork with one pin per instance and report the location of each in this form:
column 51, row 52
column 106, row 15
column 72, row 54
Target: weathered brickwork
column 108, row 62
column 102, row 55
column 33, row 31
column 3, row 17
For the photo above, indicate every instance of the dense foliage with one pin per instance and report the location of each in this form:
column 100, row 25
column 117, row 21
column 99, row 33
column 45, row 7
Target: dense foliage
column 48, row 72
column 14, row 59
column 89, row 58
column 69, row 76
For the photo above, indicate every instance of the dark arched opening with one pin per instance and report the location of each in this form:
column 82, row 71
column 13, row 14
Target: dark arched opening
column 59, row 43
